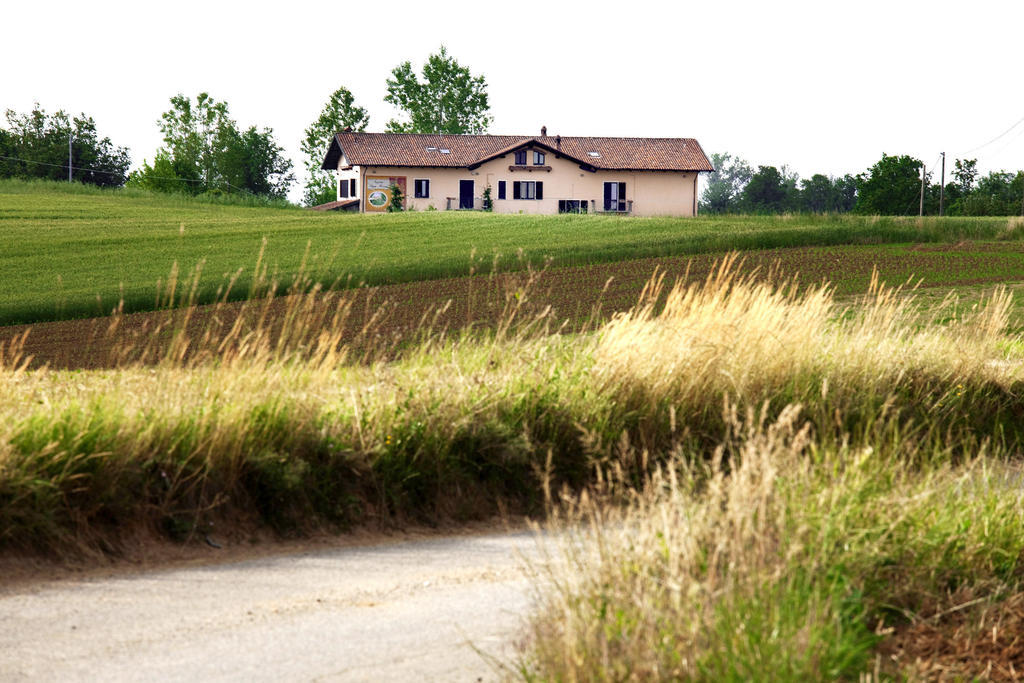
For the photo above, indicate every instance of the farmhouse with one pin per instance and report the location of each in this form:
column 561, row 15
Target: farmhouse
column 545, row 174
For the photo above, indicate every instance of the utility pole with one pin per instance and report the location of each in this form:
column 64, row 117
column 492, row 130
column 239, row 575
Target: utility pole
column 942, row 187
column 70, row 138
column 920, row 208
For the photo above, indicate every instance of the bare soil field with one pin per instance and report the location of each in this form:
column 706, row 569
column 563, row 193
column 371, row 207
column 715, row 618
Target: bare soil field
column 572, row 297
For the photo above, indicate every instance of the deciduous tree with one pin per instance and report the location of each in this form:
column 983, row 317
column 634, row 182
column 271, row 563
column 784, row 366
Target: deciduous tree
column 965, row 171
column 448, row 100
column 339, row 113
column 766, row 192
column 253, row 161
column 39, row 142
column 891, row 187
column 204, row 150
column 725, row 184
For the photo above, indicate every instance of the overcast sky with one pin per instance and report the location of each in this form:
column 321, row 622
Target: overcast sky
column 820, row 86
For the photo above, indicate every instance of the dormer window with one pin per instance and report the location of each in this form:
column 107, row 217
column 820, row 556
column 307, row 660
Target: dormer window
column 538, row 158
column 521, row 158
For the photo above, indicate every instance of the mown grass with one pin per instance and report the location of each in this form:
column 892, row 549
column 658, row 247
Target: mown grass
column 77, row 252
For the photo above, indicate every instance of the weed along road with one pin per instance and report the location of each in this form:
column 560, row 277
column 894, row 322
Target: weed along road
column 410, row 610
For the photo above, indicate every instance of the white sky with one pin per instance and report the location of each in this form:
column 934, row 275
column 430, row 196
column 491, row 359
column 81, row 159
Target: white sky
column 821, row 86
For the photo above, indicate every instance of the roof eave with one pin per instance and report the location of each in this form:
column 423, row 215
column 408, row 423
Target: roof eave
column 334, row 153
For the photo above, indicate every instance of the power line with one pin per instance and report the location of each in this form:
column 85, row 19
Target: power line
column 996, row 137
column 111, row 173
column 43, row 163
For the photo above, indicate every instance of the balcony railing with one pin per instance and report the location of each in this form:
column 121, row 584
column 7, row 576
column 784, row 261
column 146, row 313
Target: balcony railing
column 453, row 203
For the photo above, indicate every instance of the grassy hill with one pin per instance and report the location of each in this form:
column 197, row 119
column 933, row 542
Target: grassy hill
column 73, row 251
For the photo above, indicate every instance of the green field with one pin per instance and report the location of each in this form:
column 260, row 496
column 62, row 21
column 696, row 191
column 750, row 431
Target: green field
column 759, row 480
column 75, row 252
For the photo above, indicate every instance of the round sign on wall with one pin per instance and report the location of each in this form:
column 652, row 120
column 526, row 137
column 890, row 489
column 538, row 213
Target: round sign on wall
column 377, row 198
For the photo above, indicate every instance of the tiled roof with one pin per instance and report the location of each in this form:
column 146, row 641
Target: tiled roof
column 389, row 149
column 339, row 205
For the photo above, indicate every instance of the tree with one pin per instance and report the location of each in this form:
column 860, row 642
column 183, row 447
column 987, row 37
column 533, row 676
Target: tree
column 195, row 135
column 339, row 113
column 766, row 192
column 965, row 171
column 816, row 194
column 826, row 194
column 891, row 187
column 164, row 176
column 449, row 100
column 9, row 166
column 845, row 193
column 997, row 194
column 204, row 151
column 252, row 161
column 39, row 143
column 725, row 184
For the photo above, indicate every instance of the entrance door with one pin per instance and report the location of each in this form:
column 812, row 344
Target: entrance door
column 465, row 194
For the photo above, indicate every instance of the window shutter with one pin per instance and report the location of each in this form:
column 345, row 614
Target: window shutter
column 352, row 187
column 515, row 190
column 608, row 196
column 540, row 190
column 501, row 189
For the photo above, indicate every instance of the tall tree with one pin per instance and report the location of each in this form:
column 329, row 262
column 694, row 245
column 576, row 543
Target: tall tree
column 725, row 184
column 845, row 195
column 965, row 171
column 39, row 142
column 448, row 100
column 196, row 134
column 204, row 150
column 816, row 193
column 252, row 161
column 766, row 192
column 892, row 187
column 339, row 113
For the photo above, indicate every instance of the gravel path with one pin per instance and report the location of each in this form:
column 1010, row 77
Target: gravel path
column 414, row 610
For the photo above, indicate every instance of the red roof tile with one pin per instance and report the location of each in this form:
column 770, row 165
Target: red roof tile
column 389, row 149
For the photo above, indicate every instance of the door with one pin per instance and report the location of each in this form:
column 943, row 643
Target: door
column 465, row 194
column 615, row 196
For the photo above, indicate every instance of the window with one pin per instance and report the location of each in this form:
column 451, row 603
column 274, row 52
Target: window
column 538, row 158
column 527, row 189
column 572, row 206
column 352, row 187
column 501, row 189
column 421, row 188
column 521, row 158
column 343, row 189
column 615, row 196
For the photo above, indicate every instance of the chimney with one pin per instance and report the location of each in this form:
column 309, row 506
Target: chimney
column 347, row 129
column 558, row 142
column 543, row 131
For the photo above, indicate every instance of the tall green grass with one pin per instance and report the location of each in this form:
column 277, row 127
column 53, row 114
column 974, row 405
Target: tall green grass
column 264, row 419
column 779, row 480
column 73, row 251
column 782, row 559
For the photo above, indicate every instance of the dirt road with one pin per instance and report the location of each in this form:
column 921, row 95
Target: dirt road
column 412, row 610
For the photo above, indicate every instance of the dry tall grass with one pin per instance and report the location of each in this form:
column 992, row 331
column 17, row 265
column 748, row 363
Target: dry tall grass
column 279, row 424
column 777, row 560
